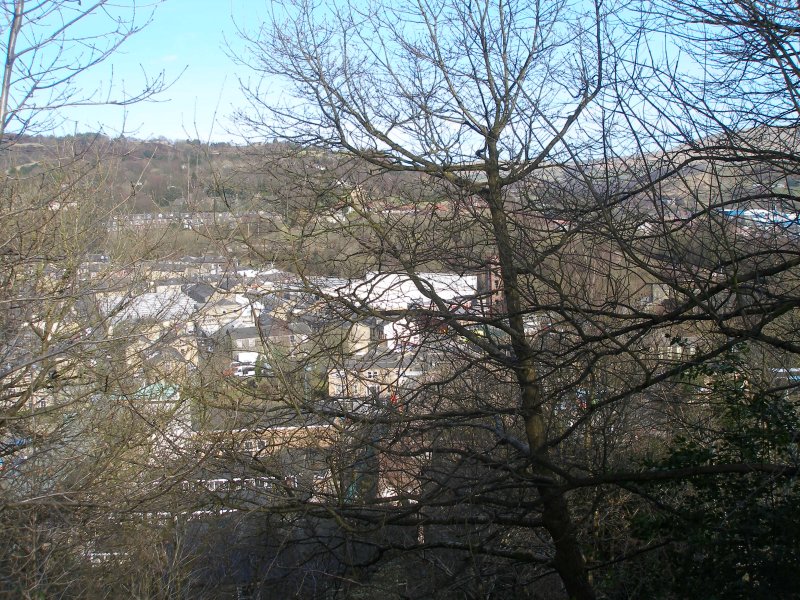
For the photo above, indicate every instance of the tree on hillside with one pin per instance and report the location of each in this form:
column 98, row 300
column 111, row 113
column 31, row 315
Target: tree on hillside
column 631, row 217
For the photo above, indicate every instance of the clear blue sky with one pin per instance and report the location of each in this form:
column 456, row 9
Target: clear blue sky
column 186, row 38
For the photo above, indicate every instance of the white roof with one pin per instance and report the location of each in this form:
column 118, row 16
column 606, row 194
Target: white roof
column 161, row 306
column 398, row 291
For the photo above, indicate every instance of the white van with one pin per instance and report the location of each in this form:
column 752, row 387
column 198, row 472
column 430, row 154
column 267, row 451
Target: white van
column 245, row 371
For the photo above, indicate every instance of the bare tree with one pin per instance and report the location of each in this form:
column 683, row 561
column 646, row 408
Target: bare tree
column 482, row 97
column 632, row 217
column 79, row 428
column 48, row 46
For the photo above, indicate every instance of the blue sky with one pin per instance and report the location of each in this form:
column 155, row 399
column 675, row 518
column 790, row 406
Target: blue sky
column 186, row 40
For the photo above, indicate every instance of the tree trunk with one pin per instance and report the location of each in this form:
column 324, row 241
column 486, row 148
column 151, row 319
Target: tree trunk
column 568, row 560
